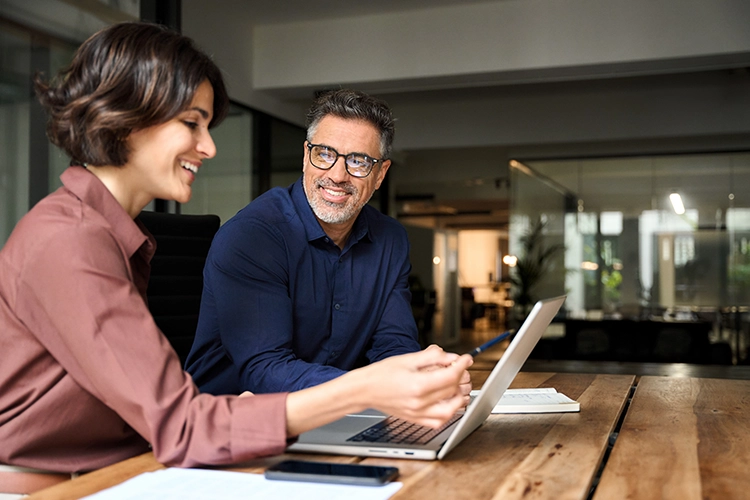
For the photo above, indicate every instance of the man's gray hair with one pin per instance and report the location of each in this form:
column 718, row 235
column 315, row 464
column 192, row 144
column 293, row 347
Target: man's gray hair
column 355, row 105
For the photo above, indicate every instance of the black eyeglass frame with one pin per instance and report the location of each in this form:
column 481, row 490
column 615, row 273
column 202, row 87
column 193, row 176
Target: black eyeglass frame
column 375, row 161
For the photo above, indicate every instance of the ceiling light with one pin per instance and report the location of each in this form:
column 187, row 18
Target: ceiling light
column 587, row 265
column 676, row 200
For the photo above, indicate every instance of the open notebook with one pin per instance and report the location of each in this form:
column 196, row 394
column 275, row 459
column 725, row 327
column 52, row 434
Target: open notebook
column 373, row 434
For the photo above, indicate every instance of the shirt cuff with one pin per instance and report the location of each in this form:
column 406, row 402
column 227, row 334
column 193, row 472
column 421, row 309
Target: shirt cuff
column 258, row 426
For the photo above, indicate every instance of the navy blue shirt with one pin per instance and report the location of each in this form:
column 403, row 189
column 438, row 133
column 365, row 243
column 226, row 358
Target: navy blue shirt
column 284, row 308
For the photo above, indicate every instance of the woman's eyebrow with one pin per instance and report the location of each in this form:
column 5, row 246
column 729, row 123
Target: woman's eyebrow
column 202, row 111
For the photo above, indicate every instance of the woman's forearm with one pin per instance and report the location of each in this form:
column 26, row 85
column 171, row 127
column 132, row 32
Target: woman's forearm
column 322, row 404
column 407, row 386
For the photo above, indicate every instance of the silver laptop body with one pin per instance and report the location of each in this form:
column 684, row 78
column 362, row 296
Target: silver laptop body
column 332, row 438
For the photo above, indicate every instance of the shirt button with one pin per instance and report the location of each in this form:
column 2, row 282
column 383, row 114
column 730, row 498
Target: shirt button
column 337, row 306
column 327, row 240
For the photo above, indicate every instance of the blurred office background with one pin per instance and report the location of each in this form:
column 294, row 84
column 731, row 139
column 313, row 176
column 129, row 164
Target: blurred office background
column 547, row 133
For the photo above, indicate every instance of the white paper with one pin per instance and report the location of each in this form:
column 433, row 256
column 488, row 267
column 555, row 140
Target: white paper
column 201, row 484
column 533, row 400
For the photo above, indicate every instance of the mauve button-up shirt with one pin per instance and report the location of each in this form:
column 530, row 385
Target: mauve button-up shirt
column 86, row 377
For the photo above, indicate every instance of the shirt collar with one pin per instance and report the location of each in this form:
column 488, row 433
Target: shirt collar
column 313, row 229
column 91, row 191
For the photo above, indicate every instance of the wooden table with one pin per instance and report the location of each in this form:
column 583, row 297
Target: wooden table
column 554, row 456
column 682, row 438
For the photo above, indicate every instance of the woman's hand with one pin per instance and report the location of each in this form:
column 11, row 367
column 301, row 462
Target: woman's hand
column 464, row 384
column 465, row 387
column 425, row 387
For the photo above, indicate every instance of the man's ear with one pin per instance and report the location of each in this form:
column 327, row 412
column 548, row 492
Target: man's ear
column 381, row 173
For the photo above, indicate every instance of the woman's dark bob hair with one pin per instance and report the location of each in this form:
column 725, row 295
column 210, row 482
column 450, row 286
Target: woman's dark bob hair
column 126, row 77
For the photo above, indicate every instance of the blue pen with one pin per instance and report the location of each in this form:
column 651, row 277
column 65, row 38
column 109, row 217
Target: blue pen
column 490, row 343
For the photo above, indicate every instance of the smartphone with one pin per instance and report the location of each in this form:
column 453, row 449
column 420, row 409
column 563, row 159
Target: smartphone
column 323, row 472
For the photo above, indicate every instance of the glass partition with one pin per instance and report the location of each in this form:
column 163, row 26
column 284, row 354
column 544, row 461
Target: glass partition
column 224, row 183
column 38, row 36
column 536, row 238
column 627, row 249
column 15, row 47
column 663, row 238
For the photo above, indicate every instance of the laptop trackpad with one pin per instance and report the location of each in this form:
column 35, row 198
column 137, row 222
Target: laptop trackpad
column 370, row 412
column 340, row 430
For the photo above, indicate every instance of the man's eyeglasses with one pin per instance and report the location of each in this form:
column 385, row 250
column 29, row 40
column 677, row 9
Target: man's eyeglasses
column 357, row 164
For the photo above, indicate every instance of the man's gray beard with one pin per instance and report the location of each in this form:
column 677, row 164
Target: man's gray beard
column 332, row 213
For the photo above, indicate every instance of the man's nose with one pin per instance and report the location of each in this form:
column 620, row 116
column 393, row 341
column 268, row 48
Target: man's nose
column 338, row 172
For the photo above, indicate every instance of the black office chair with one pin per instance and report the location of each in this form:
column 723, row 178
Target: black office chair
column 176, row 284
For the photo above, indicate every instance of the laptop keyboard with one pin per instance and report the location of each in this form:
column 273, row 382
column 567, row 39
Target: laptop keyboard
column 398, row 431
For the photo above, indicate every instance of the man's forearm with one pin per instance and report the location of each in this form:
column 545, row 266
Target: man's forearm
column 286, row 375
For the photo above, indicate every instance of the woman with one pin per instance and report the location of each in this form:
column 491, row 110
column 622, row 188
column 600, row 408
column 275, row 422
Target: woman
column 86, row 378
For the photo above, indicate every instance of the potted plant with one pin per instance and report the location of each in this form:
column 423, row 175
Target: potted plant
column 532, row 264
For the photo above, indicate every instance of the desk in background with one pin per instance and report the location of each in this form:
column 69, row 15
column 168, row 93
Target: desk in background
column 512, row 456
column 644, row 341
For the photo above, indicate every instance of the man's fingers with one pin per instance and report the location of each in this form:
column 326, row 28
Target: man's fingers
column 434, row 356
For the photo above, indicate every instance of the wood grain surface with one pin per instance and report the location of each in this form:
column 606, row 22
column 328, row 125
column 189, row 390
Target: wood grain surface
column 682, row 438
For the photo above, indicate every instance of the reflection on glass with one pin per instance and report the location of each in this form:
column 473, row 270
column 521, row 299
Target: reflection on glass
column 627, row 253
column 536, row 238
column 38, row 36
column 14, row 133
column 611, row 223
column 70, row 20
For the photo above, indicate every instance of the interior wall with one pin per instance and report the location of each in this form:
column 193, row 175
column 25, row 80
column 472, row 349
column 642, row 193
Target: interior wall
column 224, row 29
column 478, row 261
column 501, row 41
column 448, row 165
column 576, row 115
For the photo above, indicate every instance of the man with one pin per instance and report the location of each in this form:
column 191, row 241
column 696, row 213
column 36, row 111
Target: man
column 308, row 282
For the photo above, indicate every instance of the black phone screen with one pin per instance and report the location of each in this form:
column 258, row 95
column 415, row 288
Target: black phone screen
column 299, row 470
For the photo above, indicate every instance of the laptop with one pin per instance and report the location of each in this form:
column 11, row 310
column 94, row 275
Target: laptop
column 367, row 434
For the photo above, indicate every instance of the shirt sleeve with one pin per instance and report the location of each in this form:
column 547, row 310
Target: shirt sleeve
column 79, row 298
column 396, row 332
column 247, row 279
